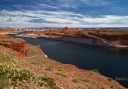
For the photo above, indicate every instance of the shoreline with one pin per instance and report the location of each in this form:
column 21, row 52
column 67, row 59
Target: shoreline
column 100, row 41
column 70, row 64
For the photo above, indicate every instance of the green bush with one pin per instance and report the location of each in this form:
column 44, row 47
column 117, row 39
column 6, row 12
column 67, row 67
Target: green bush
column 45, row 81
column 17, row 76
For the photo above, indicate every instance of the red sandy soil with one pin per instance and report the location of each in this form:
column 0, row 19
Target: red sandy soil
column 11, row 52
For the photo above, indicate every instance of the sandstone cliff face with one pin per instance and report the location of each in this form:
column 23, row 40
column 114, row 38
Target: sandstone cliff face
column 110, row 36
column 19, row 46
column 9, row 51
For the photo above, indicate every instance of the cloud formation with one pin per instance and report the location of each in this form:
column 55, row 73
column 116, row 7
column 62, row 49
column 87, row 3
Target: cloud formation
column 61, row 18
column 60, row 13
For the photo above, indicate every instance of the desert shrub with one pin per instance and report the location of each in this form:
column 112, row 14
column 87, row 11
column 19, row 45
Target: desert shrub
column 4, row 58
column 3, row 81
column 75, row 81
column 46, row 81
column 17, row 76
column 60, row 69
column 109, row 79
column 95, row 70
column 60, row 74
column 86, row 80
column 111, row 86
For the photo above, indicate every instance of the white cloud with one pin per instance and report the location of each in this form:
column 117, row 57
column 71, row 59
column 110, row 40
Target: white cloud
column 107, row 19
column 58, row 18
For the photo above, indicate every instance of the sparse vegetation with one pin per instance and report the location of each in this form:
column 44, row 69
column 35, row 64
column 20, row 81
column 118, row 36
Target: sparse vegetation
column 4, row 81
column 61, row 74
column 109, row 79
column 86, row 80
column 46, row 81
column 5, row 58
column 16, row 76
column 75, row 80
column 60, row 69
column 95, row 70
column 111, row 87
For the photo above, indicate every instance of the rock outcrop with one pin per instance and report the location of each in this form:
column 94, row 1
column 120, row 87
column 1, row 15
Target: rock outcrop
column 5, row 37
column 40, row 50
column 68, row 30
column 16, row 44
column 11, row 52
column 118, row 39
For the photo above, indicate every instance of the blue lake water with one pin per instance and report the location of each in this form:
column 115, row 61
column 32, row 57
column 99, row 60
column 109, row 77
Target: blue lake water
column 111, row 62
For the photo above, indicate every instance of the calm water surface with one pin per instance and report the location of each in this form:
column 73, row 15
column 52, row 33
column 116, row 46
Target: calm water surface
column 111, row 62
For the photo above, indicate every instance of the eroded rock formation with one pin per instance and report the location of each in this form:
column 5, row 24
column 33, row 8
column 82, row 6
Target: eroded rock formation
column 16, row 44
column 5, row 37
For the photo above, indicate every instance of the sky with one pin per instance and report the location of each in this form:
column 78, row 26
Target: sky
column 62, row 13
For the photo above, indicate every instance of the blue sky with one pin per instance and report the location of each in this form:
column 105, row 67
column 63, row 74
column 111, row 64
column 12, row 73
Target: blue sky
column 61, row 13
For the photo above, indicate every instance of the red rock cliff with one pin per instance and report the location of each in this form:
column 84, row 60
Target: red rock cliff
column 5, row 37
column 16, row 44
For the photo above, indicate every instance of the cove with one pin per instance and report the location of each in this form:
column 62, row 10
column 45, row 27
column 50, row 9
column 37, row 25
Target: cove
column 111, row 62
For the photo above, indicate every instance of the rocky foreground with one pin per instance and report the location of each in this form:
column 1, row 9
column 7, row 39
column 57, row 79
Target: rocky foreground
column 18, row 57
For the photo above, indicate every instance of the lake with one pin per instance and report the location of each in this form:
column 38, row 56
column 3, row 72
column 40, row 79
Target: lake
column 111, row 62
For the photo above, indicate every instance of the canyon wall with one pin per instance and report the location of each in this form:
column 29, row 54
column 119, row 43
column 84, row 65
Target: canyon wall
column 20, row 47
column 118, row 39
column 111, row 36
column 11, row 52
column 16, row 44
column 87, row 40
